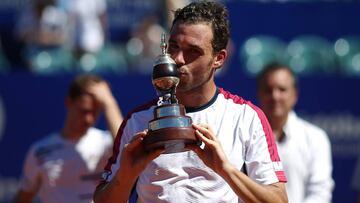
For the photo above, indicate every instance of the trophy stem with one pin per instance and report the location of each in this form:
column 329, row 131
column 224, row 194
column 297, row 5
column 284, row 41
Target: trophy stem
column 173, row 96
column 163, row 45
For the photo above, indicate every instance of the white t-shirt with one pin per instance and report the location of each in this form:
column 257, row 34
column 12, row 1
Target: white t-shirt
column 63, row 171
column 244, row 133
column 305, row 153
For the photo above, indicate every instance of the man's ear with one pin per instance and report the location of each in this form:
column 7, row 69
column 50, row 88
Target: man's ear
column 220, row 58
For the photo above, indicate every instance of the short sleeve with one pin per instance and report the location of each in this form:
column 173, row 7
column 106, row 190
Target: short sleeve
column 262, row 159
column 127, row 130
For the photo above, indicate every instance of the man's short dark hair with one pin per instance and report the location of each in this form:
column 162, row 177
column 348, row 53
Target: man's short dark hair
column 79, row 85
column 271, row 67
column 213, row 13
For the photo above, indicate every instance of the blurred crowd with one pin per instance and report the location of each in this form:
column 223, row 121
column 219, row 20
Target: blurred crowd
column 74, row 35
column 306, row 54
column 60, row 36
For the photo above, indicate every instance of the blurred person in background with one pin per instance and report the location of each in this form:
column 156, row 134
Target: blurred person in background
column 355, row 182
column 304, row 149
column 66, row 166
column 42, row 25
column 143, row 45
column 87, row 25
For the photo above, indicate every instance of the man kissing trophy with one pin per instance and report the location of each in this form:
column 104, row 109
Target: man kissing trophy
column 170, row 128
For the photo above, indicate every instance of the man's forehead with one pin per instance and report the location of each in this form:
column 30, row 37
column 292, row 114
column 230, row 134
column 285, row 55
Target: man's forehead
column 193, row 32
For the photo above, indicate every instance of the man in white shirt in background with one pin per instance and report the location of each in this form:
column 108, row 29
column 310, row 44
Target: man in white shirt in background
column 65, row 166
column 304, row 149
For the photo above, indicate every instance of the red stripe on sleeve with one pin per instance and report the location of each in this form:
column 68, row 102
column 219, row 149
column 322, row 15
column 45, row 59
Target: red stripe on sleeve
column 281, row 176
column 117, row 142
column 270, row 138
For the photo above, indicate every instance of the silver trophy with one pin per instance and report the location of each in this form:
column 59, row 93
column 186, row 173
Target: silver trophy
column 170, row 128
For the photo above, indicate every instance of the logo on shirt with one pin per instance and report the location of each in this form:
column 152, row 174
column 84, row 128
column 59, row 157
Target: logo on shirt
column 105, row 175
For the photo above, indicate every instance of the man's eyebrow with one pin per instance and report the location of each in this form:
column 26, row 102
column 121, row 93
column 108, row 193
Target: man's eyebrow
column 194, row 46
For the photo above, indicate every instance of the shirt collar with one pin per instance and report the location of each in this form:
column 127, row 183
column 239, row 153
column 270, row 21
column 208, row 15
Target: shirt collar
column 288, row 128
column 209, row 103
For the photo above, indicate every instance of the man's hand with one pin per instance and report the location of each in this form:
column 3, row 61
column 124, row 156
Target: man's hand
column 211, row 153
column 213, row 156
column 133, row 161
column 134, row 158
column 102, row 93
column 104, row 97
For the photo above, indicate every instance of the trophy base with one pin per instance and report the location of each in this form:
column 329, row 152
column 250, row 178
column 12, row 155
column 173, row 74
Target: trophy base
column 172, row 139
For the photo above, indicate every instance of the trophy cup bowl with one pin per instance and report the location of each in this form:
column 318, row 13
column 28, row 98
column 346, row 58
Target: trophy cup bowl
column 170, row 128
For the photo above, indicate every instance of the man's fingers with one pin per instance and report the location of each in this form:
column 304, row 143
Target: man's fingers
column 193, row 147
column 204, row 125
column 153, row 154
column 139, row 134
column 136, row 139
column 204, row 130
column 202, row 137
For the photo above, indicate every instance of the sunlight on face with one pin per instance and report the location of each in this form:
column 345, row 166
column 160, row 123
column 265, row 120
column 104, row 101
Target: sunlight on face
column 190, row 46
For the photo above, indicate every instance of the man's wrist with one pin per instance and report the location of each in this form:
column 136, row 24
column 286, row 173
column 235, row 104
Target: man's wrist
column 226, row 169
column 125, row 178
column 109, row 103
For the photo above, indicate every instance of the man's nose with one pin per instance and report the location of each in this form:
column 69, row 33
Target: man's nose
column 275, row 94
column 179, row 58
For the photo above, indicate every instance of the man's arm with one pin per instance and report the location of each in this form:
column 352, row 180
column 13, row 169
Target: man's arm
column 102, row 93
column 133, row 161
column 117, row 190
column 247, row 189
